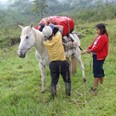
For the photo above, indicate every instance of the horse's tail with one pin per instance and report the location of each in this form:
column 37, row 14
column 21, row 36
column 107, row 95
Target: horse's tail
column 73, row 64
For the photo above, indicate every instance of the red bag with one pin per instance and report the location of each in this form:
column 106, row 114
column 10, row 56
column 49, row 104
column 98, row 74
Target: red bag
column 66, row 22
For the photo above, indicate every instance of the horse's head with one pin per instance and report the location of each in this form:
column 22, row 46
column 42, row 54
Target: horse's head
column 27, row 40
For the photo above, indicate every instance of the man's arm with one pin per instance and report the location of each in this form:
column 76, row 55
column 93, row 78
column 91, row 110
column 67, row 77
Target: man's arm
column 60, row 27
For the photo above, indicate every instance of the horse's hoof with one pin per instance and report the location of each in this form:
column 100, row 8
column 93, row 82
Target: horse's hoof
column 84, row 80
column 43, row 91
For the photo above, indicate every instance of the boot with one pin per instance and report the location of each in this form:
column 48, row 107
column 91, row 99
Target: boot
column 53, row 90
column 68, row 89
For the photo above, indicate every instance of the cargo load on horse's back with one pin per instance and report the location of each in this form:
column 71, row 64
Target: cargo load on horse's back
column 65, row 21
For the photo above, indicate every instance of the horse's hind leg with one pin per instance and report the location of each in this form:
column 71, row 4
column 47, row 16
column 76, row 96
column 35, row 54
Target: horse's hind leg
column 78, row 56
column 43, row 76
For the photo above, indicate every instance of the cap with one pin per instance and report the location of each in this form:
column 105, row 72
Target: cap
column 47, row 31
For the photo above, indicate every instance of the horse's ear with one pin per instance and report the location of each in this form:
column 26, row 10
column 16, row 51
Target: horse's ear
column 31, row 25
column 21, row 26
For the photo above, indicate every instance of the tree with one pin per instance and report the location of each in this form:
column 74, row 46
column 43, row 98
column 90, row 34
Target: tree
column 39, row 7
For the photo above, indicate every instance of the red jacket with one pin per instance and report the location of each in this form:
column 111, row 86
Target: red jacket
column 100, row 46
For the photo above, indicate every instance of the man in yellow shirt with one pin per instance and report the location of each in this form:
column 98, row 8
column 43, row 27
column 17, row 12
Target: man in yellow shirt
column 58, row 64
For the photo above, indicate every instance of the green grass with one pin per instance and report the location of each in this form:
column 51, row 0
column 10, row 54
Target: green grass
column 20, row 84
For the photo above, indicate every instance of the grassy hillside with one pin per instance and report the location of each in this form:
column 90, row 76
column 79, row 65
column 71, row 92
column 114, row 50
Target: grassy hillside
column 20, row 83
column 19, row 14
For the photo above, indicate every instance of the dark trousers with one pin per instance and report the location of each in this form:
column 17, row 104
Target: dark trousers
column 98, row 70
column 57, row 68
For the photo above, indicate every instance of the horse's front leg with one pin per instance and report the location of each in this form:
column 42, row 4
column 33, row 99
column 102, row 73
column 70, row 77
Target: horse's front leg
column 43, row 76
column 78, row 56
column 42, row 70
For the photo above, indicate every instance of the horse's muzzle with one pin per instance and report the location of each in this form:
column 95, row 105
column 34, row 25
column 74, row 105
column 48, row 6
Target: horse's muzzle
column 21, row 54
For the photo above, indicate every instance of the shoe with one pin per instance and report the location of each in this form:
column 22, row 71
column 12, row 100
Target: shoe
column 53, row 90
column 93, row 91
column 68, row 89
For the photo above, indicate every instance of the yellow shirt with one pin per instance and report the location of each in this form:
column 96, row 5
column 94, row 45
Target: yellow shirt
column 55, row 48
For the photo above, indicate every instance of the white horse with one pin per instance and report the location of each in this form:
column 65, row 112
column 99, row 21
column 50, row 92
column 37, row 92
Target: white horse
column 30, row 37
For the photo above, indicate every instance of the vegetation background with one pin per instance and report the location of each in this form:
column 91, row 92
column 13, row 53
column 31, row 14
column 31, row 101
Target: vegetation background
column 20, row 82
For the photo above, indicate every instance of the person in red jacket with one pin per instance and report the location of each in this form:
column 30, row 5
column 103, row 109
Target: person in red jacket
column 99, row 50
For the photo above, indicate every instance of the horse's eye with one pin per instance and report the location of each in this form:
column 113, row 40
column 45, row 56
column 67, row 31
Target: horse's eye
column 27, row 37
